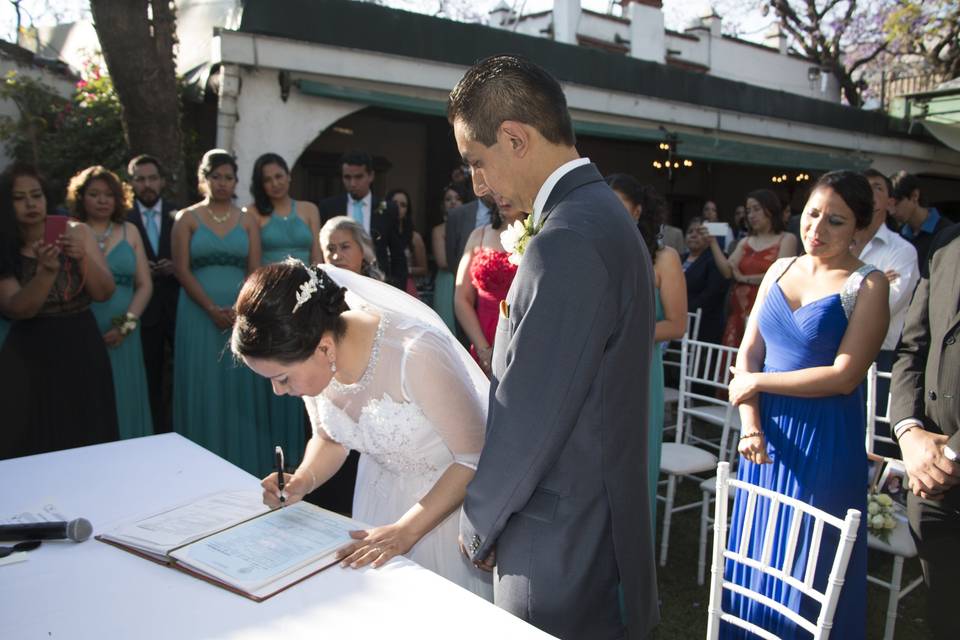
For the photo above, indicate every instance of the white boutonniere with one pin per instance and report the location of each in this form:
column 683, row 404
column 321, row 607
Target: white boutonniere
column 516, row 236
column 381, row 207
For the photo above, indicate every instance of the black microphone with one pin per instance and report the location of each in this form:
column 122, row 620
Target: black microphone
column 77, row 530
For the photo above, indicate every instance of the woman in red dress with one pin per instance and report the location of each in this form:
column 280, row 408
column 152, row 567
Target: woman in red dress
column 483, row 279
column 750, row 260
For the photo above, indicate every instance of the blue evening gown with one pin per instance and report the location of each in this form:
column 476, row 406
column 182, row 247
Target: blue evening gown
column 283, row 237
column 126, row 359
column 217, row 402
column 817, row 450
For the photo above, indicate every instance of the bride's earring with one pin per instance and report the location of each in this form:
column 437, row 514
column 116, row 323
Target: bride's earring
column 333, row 367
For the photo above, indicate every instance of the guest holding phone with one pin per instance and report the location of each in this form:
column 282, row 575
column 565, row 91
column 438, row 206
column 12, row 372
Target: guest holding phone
column 97, row 197
column 57, row 390
column 216, row 403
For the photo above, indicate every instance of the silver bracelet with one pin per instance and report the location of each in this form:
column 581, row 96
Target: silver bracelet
column 900, row 430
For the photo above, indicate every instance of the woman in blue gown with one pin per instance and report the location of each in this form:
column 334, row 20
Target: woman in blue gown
column 97, row 197
column 217, row 402
column 670, row 299
column 818, row 324
column 288, row 228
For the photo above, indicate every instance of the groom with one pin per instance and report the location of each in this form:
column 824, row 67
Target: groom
column 559, row 505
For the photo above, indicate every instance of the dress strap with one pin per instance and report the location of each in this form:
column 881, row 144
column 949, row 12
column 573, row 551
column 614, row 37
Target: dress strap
column 293, row 207
column 483, row 230
column 851, row 288
column 780, row 267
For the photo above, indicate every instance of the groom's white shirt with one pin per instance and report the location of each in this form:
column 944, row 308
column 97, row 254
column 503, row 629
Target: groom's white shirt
column 550, row 183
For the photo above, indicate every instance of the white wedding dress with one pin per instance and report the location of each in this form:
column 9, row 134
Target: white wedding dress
column 416, row 410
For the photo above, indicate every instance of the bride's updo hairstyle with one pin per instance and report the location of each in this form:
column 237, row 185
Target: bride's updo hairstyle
column 281, row 317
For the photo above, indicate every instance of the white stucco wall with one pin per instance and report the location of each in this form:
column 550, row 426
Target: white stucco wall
column 267, row 123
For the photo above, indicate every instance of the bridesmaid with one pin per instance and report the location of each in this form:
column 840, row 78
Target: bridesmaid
column 443, row 284
column 216, row 402
column 414, row 247
column 820, row 322
column 97, row 197
column 288, row 228
column 645, row 206
column 751, row 259
column 483, row 280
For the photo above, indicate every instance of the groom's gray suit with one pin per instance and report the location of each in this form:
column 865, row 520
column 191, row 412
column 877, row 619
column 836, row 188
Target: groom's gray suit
column 561, row 492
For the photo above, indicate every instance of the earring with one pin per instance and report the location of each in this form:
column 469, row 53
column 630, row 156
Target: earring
column 333, row 367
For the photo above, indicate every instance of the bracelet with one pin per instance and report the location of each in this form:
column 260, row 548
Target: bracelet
column 313, row 479
column 486, row 350
column 903, row 429
column 755, row 434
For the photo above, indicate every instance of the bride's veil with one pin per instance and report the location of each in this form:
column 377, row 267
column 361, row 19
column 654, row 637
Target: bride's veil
column 363, row 291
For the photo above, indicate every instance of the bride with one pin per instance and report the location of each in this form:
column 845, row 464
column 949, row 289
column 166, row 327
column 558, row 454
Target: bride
column 379, row 373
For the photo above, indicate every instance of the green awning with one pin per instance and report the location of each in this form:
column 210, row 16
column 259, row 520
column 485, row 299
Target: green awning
column 692, row 146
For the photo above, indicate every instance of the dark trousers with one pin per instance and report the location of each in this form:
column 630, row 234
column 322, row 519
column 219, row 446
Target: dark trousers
column 157, row 341
column 936, row 530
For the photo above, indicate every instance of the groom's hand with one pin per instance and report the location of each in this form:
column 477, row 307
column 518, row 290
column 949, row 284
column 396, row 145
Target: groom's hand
column 489, row 563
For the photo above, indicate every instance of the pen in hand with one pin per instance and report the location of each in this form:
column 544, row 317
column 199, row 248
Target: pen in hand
column 278, row 453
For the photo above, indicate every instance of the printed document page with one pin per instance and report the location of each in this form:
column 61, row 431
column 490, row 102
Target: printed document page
column 273, row 546
column 180, row 525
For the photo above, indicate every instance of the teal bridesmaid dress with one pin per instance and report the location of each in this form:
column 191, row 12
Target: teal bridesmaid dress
column 284, row 237
column 126, row 359
column 443, row 286
column 217, row 402
column 655, row 415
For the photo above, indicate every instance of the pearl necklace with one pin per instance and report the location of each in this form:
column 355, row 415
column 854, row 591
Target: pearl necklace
column 220, row 219
column 102, row 238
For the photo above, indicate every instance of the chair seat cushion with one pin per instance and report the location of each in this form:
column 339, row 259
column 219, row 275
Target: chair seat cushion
column 681, row 459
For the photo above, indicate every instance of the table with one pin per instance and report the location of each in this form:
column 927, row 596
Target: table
column 93, row 590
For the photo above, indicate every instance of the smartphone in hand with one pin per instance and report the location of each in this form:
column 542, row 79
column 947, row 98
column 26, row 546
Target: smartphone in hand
column 54, row 227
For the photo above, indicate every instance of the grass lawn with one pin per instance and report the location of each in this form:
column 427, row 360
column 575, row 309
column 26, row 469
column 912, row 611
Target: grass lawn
column 684, row 604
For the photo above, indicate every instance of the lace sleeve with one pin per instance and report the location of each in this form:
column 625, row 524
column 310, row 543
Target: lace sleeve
column 434, row 378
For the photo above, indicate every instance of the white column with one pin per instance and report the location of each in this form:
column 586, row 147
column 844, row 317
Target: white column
column 647, row 32
column 566, row 19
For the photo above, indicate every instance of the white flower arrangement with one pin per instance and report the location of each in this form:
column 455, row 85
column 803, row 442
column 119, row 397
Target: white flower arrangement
column 880, row 519
column 125, row 324
column 516, row 236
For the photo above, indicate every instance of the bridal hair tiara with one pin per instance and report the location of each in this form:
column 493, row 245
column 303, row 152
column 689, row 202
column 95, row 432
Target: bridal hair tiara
column 308, row 288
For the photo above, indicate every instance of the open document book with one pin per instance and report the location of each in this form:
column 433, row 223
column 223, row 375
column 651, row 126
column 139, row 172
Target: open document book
column 234, row 541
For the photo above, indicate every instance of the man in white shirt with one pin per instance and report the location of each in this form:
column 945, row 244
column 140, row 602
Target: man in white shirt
column 897, row 258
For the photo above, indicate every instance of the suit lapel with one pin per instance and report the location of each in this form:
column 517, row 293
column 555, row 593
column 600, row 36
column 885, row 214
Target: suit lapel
column 583, row 175
column 949, row 267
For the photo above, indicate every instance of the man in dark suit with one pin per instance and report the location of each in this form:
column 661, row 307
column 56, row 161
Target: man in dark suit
column 461, row 221
column 154, row 218
column 378, row 218
column 559, row 504
column 925, row 412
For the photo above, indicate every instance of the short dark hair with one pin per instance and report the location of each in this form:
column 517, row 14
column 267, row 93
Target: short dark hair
column 357, row 158
column 509, row 87
column 268, row 328
column 11, row 239
column 122, row 197
column 260, row 197
column 770, row 204
column 213, row 160
column 855, row 191
column 904, row 184
column 652, row 207
column 142, row 159
column 873, row 173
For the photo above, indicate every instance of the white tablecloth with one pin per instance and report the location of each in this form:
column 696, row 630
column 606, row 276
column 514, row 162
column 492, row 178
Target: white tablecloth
column 93, row 590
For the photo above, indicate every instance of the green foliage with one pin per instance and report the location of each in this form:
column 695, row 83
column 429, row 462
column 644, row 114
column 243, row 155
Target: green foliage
column 63, row 136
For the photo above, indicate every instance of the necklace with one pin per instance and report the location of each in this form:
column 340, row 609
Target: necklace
column 103, row 237
column 216, row 218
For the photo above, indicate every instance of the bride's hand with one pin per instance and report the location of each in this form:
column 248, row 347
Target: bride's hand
column 376, row 546
column 295, row 486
